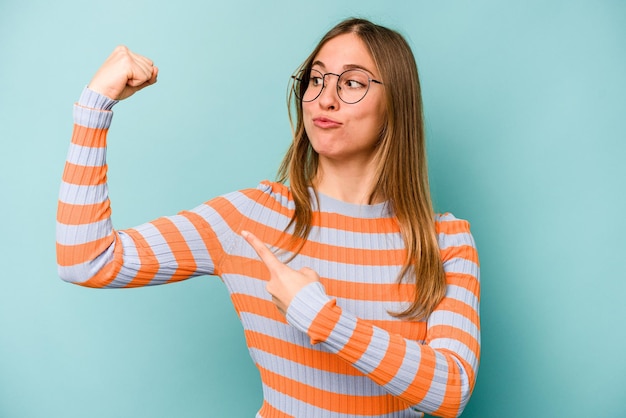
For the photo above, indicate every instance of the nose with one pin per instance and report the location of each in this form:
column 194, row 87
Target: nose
column 329, row 98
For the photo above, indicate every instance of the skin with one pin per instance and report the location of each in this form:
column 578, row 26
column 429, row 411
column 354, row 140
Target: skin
column 123, row 74
column 346, row 149
column 344, row 136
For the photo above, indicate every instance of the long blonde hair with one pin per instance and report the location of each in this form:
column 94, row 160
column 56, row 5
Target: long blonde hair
column 401, row 171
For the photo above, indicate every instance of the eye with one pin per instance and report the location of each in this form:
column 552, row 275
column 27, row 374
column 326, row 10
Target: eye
column 316, row 81
column 354, row 80
column 353, row 84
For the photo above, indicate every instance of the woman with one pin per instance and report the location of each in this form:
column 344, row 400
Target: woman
column 365, row 303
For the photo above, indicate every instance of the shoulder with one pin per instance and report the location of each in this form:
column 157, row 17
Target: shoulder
column 271, row 195
column 447, row 223
column 454, row 237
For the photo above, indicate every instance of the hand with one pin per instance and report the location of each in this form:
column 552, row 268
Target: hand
column 284, row 282
column 123, row 74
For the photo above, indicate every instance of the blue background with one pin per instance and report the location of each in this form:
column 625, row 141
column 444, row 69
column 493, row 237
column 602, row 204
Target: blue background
column 525, row 105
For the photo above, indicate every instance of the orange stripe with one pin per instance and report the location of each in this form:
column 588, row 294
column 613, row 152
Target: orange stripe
column 356, row 225
column 466, row 252
column 329, row 253
column 179, row 248
column 419, row 387
column 468, row 367
column 234, row 264
column 466, row 281
column 209, row 237
column 324, row 322
column 268, row 411
column 257, row 306
column 358, row 343
column 461, row 308
column 450, row 332
column 330, row 401
column 389, row 366
column 262, row 198
column 452, row 398
column 319, row 360
column 70, row 214
column 89, row 137
column 380, row 225
column 458, row 226
column 83, row 175
column 149, row 263
column 391, row 292
column 69, row 255
column 109, row 272
column 333, row 221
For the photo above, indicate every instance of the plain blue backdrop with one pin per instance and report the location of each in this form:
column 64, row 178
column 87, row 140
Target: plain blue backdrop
column 525, row 108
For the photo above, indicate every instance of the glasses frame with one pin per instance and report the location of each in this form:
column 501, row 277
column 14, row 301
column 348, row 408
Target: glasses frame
column 298, row 85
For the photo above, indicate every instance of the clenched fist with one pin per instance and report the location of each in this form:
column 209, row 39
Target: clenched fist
column 123, row 74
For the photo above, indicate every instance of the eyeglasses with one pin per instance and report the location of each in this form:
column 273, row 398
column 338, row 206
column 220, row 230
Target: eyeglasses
column 352, row 85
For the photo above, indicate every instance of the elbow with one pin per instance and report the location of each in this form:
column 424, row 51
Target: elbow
column 466, row 394
column 453, row 406
column 71, row 274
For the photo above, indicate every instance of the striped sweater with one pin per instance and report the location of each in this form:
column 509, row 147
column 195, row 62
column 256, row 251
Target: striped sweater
column 338, row 352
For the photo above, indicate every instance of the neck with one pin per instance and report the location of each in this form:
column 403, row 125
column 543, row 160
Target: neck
column 348, row 183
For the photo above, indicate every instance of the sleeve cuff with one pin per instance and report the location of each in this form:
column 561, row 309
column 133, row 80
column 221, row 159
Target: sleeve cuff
column 94, row 100
column 306, row 306
column 93, row 110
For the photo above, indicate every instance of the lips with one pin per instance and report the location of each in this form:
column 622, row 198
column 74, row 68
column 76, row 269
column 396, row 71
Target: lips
column 325, row 123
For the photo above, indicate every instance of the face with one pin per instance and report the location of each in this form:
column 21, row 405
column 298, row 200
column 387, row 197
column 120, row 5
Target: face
column 340, row 132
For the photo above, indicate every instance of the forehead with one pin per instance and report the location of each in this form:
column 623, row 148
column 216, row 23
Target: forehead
column 343, row 52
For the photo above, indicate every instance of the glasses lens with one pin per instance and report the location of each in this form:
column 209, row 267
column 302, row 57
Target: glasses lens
column 352, row 86
column 309, row 85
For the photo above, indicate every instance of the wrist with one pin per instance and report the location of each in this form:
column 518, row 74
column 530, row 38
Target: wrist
column 94, row 100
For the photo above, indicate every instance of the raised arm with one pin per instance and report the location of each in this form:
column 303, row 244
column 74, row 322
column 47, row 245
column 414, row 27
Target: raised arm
column 89, row 251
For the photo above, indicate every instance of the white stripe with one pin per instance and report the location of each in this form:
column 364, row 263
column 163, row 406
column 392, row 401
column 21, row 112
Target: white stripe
column 375, row 353
column 83, row 195
column 82, row 234
column 455, row 240
column 458, row 347
column 406, row 373
column 162, row 252
column 463, row 295
column 86, row 156
column 266, row 326
column 352, row 273
column 461, row 265
column 452, row 319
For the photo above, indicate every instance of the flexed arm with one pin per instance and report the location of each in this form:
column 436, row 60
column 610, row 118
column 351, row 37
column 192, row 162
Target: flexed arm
column 89, row 251
column 86, row 250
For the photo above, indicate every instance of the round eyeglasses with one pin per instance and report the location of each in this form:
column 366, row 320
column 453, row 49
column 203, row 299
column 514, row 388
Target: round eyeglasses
column 352, row 85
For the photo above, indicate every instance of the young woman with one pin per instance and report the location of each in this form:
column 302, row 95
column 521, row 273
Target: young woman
column 355, row 298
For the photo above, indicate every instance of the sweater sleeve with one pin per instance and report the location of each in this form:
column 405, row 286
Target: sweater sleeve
column 89, row 251
column 436, row 376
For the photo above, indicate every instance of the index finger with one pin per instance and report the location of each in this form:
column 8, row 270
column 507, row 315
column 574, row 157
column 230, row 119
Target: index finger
column 261, row 249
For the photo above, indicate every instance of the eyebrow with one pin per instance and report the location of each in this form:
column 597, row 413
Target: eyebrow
column 345, row 67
